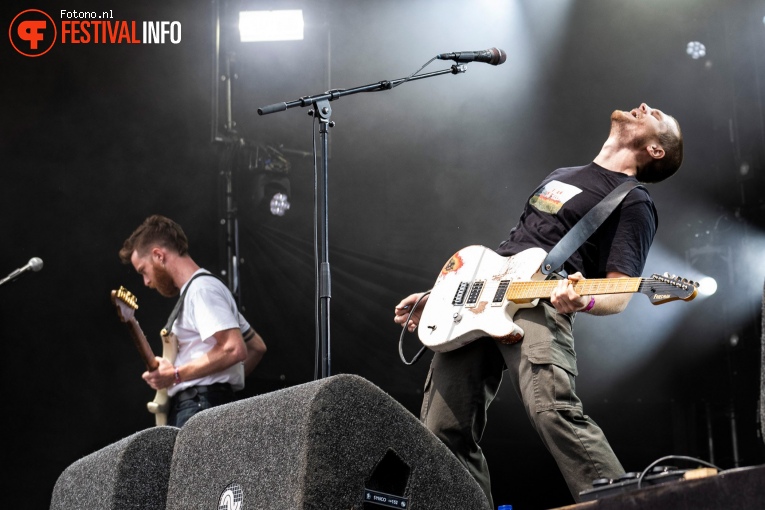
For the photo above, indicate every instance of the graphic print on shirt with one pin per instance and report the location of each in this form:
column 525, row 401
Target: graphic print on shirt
column 551, row 197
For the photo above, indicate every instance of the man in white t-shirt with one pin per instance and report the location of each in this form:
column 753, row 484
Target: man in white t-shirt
column 217, row 348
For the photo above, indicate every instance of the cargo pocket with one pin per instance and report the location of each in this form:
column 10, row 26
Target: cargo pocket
column 553, row 384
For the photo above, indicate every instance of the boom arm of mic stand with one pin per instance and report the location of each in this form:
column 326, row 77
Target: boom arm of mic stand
column 323, row 111
column 372, row 87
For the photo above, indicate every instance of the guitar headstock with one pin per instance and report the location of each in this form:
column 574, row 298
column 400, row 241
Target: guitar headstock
column 125, row 302
column 665, row 288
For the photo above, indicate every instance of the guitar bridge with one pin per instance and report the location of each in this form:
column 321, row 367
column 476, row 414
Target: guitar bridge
column 463, row 297
column 459, row 296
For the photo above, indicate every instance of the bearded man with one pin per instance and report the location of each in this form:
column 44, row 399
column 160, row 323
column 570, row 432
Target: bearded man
column 644, row 145
column 217, row 347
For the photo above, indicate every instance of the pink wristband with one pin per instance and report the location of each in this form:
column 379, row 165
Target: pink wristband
column 587, row 308
column 178, row 375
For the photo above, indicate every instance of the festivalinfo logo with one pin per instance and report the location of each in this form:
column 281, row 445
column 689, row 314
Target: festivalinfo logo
column 34, row 32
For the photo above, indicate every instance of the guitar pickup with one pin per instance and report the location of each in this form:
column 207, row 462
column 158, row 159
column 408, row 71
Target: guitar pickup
column 499, row 296
column 475, row 293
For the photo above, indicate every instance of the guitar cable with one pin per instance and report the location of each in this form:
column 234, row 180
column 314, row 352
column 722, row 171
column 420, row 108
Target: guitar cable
column 673, row 457
column 403, row 332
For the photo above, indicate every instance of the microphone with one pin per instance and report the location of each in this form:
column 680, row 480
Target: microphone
column 35, row 264
column 493, row 56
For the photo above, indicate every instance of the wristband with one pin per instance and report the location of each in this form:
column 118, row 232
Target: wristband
column 587, row 308
column 178, row 375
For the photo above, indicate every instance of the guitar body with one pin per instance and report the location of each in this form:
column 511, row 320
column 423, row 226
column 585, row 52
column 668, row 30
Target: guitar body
column 479, row 291
column 160, row 406
column 468, row 301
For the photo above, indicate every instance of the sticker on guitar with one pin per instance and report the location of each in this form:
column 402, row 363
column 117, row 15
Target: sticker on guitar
column 478, row 292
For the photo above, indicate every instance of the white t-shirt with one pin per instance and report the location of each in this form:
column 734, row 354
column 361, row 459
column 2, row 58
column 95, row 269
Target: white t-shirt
column 208, row 307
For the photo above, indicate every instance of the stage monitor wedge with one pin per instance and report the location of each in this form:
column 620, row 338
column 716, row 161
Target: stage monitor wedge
column 130, row 474
column 327, row 444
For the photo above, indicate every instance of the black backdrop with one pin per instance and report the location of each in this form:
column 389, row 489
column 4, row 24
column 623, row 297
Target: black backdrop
column 97, row 137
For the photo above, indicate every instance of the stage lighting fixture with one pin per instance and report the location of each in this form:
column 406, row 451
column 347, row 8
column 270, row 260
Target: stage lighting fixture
column 283, row 25
column 707, row 286
column 264, row 180
column 271, row 194
column 696, row 50
column 280, row 204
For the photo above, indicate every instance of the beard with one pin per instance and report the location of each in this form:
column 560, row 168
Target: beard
column 624, row 129
column 619, row 120
column 163, row 282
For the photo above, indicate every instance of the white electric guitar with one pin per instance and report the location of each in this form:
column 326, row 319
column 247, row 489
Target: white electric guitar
column 478, row 292
column 127, row 304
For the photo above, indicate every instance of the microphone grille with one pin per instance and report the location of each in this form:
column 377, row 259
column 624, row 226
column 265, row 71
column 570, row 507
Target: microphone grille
column 498, row 56
column 35, row 263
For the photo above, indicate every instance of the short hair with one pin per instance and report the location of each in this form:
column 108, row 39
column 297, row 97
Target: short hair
column 660, row 169
column 155, row 230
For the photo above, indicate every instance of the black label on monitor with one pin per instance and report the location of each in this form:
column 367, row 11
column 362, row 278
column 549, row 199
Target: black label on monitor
column 382, row 499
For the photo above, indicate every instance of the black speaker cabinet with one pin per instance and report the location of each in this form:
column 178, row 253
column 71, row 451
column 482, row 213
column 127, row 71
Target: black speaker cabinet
column 336, row 443
column 129, row 474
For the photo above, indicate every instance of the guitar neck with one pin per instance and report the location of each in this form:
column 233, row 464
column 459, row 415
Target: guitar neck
column 521, row 290
column 144, row 349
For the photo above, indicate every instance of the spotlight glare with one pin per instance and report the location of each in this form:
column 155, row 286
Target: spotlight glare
column 696, row 50
column 284, row 25
column 707, row 286
column 279, row 204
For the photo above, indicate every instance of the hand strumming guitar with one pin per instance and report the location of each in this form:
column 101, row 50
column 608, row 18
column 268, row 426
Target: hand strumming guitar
column 161, row 378
column 405, row 306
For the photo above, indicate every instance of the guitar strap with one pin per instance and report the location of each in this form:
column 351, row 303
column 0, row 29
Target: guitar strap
column 584, row 228
column 179, row 305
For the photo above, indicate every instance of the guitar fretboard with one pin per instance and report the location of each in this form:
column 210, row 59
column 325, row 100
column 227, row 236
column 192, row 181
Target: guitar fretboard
column 532, row 290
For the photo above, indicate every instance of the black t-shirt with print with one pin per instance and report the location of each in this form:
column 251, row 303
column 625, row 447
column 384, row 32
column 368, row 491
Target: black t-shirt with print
column 620, row 244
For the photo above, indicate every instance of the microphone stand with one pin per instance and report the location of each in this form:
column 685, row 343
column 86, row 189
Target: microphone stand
column 7, row 279
column 322, row 111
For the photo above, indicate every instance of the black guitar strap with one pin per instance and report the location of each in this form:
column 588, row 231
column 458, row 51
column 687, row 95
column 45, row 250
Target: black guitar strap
column 584, row 228
column 179, row 305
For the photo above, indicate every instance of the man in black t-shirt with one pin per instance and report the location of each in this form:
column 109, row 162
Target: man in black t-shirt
column 643, row 145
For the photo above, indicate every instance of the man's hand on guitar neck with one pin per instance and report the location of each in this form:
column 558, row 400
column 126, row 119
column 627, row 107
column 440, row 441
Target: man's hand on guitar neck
column 405, row 306
column 566, row 299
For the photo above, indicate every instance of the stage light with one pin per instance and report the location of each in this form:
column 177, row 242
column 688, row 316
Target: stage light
column 707, row 286
column 263, row 183
column 280, row 204
column 270, row 195
column 696, row 50
column 284, row 25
